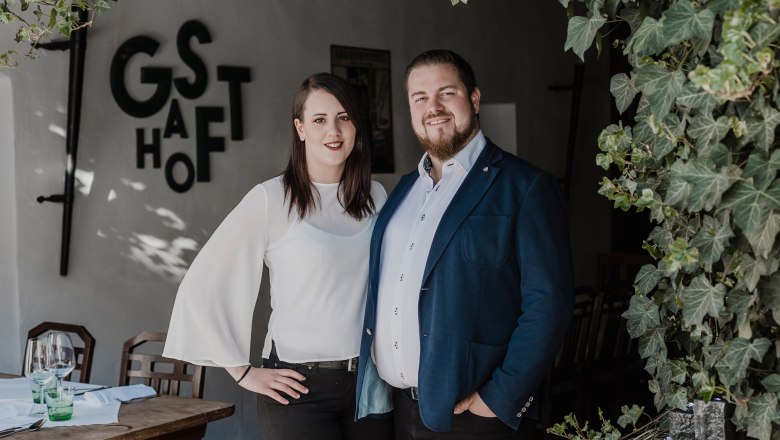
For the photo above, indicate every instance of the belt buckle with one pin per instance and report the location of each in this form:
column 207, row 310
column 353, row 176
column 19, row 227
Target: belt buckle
column 352, row 364
column 415, row 395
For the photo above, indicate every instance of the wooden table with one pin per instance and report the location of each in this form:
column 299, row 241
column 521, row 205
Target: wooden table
column 164, row 417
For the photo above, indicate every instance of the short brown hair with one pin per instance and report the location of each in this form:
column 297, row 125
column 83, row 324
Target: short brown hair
column 443, row 56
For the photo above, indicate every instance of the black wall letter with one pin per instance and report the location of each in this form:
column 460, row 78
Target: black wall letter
column 142, row 149
column 192, row 28
column 234, row 77
column 184, row 159
column 204, row 143
column 175, row 122
column 149, row 75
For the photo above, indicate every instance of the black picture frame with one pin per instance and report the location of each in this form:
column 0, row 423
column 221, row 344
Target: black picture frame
column 368, row 70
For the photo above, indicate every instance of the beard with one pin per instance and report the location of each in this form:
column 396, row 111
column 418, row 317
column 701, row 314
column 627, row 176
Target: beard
column 446, row 147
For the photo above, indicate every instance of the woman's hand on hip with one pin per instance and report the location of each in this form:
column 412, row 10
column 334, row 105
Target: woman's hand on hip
column 272, row 382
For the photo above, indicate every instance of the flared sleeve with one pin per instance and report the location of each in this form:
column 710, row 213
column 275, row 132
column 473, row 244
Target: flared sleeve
column 211, row 323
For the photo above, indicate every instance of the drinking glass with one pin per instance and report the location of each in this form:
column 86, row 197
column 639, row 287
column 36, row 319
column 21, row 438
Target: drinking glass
column 36, row 365
column 59, row 402
column 62, row 357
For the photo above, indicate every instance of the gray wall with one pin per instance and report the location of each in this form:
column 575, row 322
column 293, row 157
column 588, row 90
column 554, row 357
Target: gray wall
column 133, row 236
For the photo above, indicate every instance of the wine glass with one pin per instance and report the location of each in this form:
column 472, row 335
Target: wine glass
column 62, row 357
column 36, row 365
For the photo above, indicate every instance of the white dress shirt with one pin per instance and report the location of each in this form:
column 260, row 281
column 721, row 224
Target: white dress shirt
column 405, row 247
column 318, row 270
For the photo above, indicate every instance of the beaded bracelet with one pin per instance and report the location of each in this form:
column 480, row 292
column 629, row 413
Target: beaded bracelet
column 248, row 367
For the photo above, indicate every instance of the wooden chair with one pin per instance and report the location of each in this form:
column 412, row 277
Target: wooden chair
column 83, row 353
column 164, row 374
column 567, row 376
column 614, row 368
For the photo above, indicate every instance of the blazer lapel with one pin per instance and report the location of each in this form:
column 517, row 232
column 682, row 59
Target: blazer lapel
column 469, row 194
column 391, row 205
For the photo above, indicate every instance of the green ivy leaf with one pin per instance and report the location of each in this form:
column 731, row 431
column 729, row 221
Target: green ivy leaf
column 624, row 91
column 740, row 352
column 751, row 271
column 695, row 98
column 677, row 193
column 581, row 32
column 647, row 278
column 701, row 298
column 739, row 301
column 719, row 6
column 750, row 205
column 678, row 399
column 707, row 185
column 661, row 86
column 761, row 169
column 632, row 16
column 763, row 34
column 706, row 130
column 647, row 40
column 762, row 239
column 652, row 343
column 769, row 292
column 681, row 22
column 712, row 239
column 762, row 411
column 764, row 126
column 772, row 383
column 642, row 314
column 718, row 154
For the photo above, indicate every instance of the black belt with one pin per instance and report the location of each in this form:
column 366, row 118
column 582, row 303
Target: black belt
column 411, row 393
column 345, row 365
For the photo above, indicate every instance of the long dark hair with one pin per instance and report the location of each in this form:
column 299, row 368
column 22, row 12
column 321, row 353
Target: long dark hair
column 355, row 181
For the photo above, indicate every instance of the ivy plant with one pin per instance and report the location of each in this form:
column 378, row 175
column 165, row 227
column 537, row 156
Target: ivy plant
column 38, row 19
column 699, row 155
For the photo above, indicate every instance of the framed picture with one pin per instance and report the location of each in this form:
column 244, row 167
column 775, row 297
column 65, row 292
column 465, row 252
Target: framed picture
column 368, row 70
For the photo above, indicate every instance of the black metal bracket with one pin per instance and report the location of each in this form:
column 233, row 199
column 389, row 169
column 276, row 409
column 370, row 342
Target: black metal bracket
column 54, row 198
column 54, row 45
column 77, row 45
column 574, row 111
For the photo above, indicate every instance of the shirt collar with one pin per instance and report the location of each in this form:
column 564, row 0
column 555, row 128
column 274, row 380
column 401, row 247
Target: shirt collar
column 466, row 157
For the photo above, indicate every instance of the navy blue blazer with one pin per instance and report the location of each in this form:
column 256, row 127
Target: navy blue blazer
column 496, row 296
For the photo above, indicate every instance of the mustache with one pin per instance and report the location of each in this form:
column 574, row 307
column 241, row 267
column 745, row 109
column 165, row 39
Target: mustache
column 428, row 117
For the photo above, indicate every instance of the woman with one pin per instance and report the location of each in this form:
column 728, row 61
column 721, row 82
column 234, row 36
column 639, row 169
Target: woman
column 311, row 226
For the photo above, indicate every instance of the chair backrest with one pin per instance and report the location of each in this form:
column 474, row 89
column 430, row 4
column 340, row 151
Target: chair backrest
column 610, row 344
column 164, row 374
column 574, row 352
column 83, row 352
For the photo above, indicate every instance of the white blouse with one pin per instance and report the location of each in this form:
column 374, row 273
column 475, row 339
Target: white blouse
column 318, row 270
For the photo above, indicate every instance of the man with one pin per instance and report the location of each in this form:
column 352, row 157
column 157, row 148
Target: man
column 470, row 290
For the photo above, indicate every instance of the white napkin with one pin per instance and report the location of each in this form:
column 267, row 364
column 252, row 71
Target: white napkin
column 85, row 413
column 123, row 393
column 15, row 413
column 16, row 388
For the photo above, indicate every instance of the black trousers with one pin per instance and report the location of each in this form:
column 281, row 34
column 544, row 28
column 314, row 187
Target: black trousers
column 327, row 412
column 465, row 426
